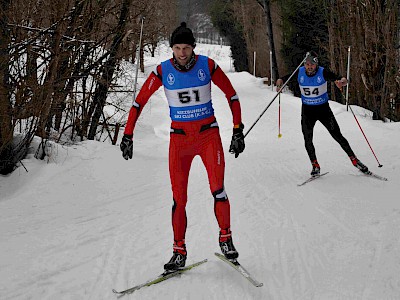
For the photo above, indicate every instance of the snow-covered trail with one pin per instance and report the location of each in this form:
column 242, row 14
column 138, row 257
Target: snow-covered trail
column 89, row 221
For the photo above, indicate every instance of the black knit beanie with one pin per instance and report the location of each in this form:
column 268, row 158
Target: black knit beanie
column 312, row 57
column 182, row 35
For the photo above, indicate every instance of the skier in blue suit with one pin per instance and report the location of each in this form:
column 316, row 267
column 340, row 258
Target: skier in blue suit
column 312, row 80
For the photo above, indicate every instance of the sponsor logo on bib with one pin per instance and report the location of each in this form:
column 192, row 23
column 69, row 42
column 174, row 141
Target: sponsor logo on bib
column 170, row 79
column 201, row 75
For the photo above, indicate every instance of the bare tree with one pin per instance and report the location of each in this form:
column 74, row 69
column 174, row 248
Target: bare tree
column 107, row 70
column 266, row 6
column 371, row 33
column 58, row 62
column 254, row 16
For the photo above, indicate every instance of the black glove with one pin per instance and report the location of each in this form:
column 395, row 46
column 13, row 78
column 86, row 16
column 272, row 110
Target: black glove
column 237, row 143
column 127, row 146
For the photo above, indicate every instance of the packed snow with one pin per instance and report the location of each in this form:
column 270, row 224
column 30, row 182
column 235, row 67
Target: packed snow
column 85, row 221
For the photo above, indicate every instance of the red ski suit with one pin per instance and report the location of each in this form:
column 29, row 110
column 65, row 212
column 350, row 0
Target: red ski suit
column 190, row 138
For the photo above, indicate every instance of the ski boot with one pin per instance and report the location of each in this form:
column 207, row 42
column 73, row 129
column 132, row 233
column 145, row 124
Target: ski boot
column 316, row 169
column 178, row 259
column 226, row 244
column 358, row 164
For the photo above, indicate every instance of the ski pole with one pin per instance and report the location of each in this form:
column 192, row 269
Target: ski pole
column 379, row 164
column 273, row 99
column 279, row 117
column 362, row 131
column 348, row 77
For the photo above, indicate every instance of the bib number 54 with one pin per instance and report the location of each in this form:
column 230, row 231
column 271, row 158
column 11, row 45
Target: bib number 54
column 308, row 91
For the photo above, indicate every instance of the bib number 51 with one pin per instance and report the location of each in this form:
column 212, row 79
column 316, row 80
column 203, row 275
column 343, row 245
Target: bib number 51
column 186, row 97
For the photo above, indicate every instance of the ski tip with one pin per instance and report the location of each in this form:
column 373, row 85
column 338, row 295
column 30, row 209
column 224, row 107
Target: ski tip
column 218, row 254
column 372, row 174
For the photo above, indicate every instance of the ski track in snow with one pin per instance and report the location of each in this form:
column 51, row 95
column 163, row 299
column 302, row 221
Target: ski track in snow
column 88, row 221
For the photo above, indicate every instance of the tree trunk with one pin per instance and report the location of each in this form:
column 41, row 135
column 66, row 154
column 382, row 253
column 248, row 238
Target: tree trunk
column 141, row 55
column 46, row 95
column 271, row 43
column 108, row 70
column 6, row 130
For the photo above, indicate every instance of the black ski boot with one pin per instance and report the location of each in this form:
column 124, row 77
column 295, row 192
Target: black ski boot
column 176, row 262
column 226, row 244
column 358, row 164
column 178, row 259
column 316, row 169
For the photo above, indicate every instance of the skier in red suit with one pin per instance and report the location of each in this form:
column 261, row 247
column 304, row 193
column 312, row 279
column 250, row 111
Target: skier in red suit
column 186, row 78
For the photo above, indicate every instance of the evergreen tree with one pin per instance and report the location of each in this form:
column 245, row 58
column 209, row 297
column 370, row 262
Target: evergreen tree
column 223, row 19
column 304, row 26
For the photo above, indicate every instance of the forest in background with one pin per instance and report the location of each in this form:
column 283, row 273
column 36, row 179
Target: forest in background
column 291, row 28
column 59, row 60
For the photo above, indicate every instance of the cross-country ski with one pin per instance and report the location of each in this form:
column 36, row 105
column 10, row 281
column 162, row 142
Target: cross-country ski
column 312, row 178
column 164, row 276
column 373, row 175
